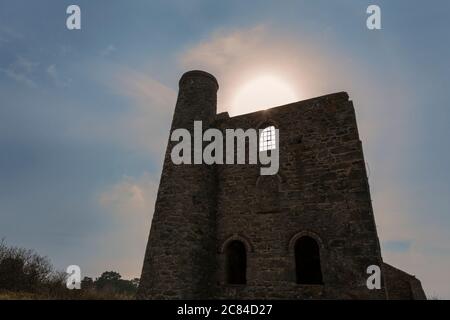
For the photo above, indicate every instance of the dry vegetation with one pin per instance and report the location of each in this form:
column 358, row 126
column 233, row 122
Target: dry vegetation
column 25, row 275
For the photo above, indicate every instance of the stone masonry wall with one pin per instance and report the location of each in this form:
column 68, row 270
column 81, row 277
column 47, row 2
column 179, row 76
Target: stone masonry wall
column 322, row 192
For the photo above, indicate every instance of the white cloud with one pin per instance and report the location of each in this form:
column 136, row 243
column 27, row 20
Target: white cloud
column 237, row 57
column 130, row 196
column 130, row 204
column 226, row 49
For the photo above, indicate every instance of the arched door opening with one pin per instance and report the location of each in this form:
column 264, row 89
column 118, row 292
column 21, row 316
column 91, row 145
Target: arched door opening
column 307, row 261
column 236, row 263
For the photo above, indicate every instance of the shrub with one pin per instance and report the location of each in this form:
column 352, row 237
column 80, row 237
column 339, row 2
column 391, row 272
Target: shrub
column 26, row 275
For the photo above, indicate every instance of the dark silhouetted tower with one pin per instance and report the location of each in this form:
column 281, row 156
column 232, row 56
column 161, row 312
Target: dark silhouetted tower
column 180, row 255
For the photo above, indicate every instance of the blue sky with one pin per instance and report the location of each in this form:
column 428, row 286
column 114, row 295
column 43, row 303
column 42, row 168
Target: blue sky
column 84, row 115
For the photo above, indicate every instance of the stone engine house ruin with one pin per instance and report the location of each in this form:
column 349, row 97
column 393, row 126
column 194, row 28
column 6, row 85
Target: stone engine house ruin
column 225, row 231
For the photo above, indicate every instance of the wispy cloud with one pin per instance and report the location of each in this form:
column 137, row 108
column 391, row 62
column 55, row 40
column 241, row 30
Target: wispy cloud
column 22, row 70
column 147, row 124
column 238, row 56
column 130, row 196
column 144, row 120
column 53, row 73
column 140, row 126
column 129, row 202
column 108, row 50
column 7, row 35
column 147, row 93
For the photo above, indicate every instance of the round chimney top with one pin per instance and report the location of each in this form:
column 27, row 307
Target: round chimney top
column 196, row 74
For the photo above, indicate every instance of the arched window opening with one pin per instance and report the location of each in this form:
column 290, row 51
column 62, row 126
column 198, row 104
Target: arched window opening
column 267, row 139
column 236, row 262
column 307, row 261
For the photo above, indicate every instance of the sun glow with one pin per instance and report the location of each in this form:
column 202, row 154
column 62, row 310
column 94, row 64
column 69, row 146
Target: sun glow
column 263, row 92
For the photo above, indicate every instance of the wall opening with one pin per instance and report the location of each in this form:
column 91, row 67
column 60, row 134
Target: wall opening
column 267, row 139
column 307, row 261
column 236, row 263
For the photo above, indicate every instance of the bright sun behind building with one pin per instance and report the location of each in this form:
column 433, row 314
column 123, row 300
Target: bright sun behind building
column 262, row 92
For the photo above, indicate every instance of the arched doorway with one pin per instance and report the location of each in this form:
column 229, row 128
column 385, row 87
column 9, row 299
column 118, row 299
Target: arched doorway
column 236, row 262
column 307, row 261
